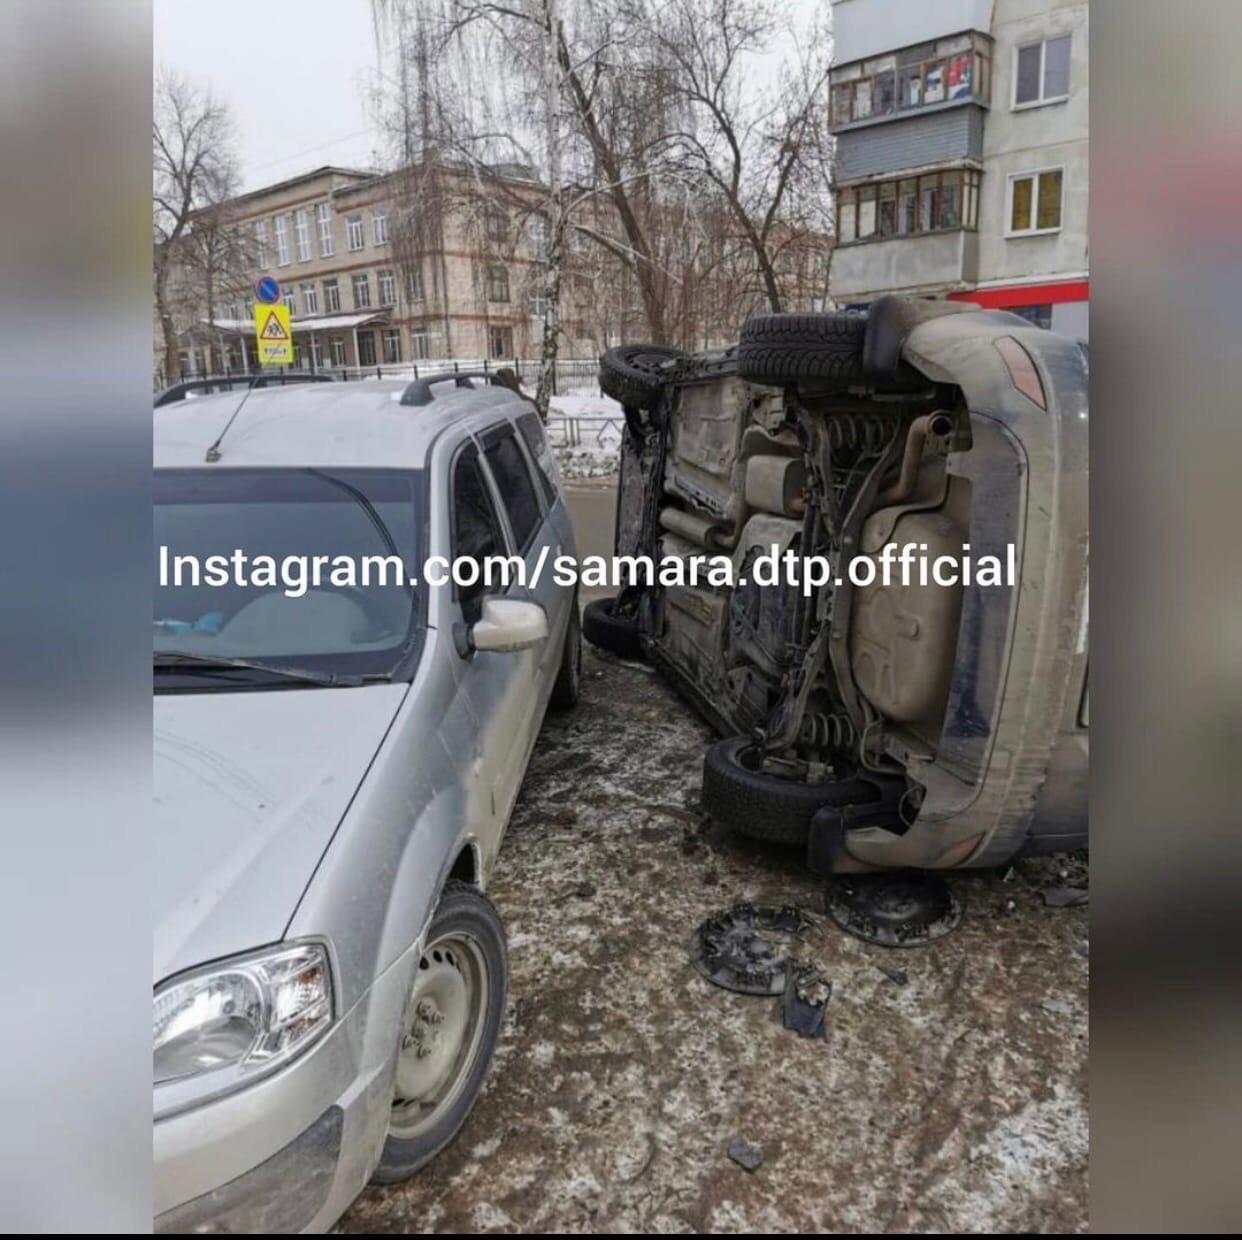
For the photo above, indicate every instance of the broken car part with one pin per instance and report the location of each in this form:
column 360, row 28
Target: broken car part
column 904, row 909
column 746, row 949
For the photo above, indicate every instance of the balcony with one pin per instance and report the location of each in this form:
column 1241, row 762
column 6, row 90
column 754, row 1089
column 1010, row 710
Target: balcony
column 930, row 263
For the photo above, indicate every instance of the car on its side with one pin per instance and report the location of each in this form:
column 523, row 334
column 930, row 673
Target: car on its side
column 890, row 724
column 334, row 771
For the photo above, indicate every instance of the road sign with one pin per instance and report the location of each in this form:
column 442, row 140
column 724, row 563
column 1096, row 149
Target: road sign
column 267, row 291
column 273, row 335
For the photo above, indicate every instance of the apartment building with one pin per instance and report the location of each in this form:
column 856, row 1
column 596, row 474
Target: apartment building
column 961, row 154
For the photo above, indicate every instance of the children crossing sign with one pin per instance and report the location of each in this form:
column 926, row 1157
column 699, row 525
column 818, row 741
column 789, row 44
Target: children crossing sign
column 273, row 335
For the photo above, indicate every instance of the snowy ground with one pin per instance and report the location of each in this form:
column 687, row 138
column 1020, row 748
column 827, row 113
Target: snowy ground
column 585, row 431
column 955, row 1102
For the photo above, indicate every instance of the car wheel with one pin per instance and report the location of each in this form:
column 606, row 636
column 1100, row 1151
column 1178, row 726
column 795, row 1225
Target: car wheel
column 618, row 635
column 448, row 1031
column 782, row 348
column 568, row 686
column 630, row 373
column 743, row 798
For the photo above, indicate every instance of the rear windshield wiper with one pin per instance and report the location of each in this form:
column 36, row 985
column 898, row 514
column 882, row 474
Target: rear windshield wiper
column 184, row 660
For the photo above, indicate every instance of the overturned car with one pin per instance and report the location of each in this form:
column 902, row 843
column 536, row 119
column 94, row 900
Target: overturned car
column 877, row 720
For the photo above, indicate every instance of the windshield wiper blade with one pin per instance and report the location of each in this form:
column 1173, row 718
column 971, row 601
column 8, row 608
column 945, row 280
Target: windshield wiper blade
column 186, row 660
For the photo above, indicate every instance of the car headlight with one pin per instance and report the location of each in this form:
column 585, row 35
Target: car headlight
column 243, row 1016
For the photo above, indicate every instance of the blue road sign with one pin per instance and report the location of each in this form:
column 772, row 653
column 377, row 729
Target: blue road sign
column 267, row 291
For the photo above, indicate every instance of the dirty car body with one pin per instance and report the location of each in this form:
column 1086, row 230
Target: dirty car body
column 879, row 725
column 314, row 803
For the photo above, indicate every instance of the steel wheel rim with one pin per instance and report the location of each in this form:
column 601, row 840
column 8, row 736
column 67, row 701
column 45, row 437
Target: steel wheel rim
column 441, row 1032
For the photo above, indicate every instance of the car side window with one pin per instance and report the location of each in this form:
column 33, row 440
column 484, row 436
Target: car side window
column 476, row 527
column 536, row 441
column 513, row 481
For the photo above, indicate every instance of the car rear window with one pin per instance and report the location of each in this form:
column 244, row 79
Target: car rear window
column 515, row 484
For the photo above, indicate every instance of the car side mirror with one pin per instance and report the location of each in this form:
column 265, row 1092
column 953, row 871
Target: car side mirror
column 508, row 624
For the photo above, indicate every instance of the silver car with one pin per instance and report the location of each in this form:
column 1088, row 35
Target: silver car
column 334, row 769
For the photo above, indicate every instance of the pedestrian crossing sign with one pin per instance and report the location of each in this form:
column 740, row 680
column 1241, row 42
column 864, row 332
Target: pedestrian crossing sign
column 273, row 335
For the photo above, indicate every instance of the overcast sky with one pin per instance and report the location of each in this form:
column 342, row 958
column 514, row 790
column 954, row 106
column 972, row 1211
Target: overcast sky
column 295, row 75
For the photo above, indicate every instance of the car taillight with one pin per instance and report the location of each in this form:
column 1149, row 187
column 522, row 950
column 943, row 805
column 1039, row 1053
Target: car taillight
column 1022, row 370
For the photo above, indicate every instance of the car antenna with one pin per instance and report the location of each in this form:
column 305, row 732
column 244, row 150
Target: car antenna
column 213, row 453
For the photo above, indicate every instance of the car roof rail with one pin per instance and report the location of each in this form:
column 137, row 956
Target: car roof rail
column 226, row 383
column 419, row 392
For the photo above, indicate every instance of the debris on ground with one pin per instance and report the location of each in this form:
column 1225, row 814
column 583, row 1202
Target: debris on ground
column 1058, row 1007
column 906, row 908
column 744, row 1154
column 1082, row 949
column 1064, row 897
column 746, row 949
column 584, row 890
column 805, row 1000
column 898, row 977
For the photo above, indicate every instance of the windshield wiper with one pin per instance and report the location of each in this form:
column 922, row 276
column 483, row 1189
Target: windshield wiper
column 185, row 660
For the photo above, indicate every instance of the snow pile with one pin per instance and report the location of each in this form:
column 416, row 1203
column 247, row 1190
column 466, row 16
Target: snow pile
column 584, row 429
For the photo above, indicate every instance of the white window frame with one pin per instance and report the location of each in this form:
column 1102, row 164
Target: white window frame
column 354, row 230
column 310, row 298
column 420, row 344
column 260, row 242
column 1042, row 44
column 336, row 348
column 362, row 278
column 413, row 285
column 1034, row 174
column 335, row 285
column 379, row 227
column 290, row 298
column 323, row 220
column 301, row 234
column 282, row 241
column 387, row 336
column 386, row 277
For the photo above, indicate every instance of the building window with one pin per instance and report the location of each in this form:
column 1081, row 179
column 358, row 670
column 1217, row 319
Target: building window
column 355, row 238
column 413, row 285
column 500, row 341
column 362, row 290
column 310, row 299
column 497, row 283
column 337, row 345
column 331, row 296
column 282, row 241
column 301, row 233
column 538, row 306
column 387, row 288
column 1042, row 72
column 366, row 348
column 420, row 344
column 495, row 224
column 934, row 202
column 323, row 217
column 537, row 237
column 1035, row 202
column 930, row 73
column 379, row 227
column 316, row 351
column 392, row 345
column 260, row 242
column 288, row 298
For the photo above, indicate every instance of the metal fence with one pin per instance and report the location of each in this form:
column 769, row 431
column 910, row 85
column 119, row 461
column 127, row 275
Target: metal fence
column 568, row 374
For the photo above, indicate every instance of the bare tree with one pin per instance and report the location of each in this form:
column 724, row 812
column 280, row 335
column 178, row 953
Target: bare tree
column 764, row 149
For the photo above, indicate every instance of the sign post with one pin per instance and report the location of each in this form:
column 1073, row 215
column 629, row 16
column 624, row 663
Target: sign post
column 272, row 331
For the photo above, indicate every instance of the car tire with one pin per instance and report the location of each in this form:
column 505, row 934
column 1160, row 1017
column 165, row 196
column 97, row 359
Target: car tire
column 765, row 806
column 567, row 688
column 630, row 373
column 465, row 938
column 783, row 348
column 602, row 627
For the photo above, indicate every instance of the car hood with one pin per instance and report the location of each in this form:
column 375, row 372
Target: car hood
column 249, row 789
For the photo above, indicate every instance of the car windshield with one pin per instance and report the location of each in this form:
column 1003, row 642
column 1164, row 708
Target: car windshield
column 284, row 576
